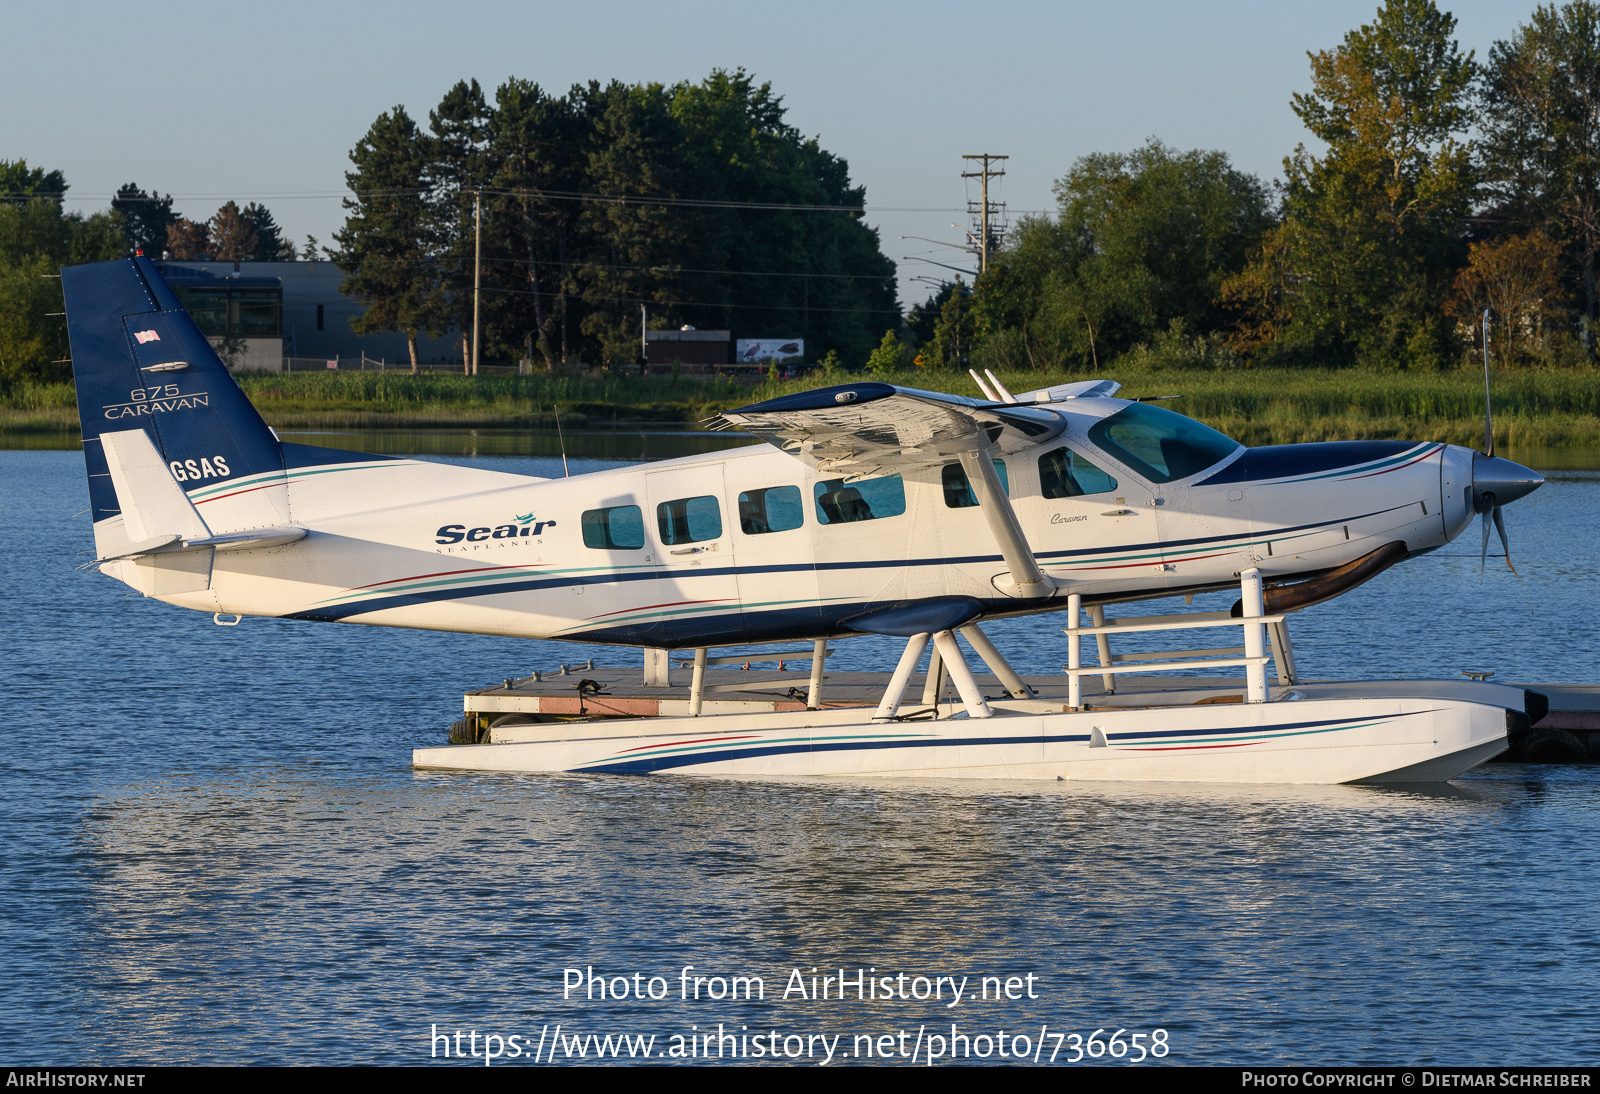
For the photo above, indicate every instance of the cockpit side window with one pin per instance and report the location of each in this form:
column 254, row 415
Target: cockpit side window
column 1064, row 473
column 1160, row 445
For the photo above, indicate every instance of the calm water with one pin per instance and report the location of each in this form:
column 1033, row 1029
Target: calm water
column 215, row 851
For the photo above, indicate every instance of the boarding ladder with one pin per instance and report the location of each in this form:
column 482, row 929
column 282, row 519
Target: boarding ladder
column 1258, row 627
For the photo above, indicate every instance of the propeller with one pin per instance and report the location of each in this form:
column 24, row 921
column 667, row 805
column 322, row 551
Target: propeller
column 1496, row 482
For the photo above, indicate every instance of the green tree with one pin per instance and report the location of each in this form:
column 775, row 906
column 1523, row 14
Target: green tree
column 1372, row 230
column 271, row 244
column 1541, row 132
column 890, row 357
column 456, row 169
column 696, row 200
column 37, row 238
column 145, row 218
column 951, row 344
column 1142, row 240
column 386, row 247
column 534, row 145
column 20, row 183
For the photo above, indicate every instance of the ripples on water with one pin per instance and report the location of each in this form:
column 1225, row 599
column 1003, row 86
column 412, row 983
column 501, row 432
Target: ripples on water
column 216, row 852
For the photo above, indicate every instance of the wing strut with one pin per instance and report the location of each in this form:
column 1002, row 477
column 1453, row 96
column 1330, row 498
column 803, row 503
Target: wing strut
column 1027, row 580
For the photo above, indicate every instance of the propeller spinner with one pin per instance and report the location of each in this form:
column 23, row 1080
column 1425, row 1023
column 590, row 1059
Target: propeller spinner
column 1497, row 482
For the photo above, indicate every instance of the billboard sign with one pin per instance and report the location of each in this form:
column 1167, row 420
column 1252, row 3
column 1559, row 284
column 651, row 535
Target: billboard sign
column 753, row 350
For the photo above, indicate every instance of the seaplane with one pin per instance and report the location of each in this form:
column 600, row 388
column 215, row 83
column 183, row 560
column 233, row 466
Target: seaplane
column 865, row 508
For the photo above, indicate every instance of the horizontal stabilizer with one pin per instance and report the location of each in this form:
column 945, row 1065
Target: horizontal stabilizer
column 861, row 430
column 153, row 504
column 251, row 539
column 158, row 515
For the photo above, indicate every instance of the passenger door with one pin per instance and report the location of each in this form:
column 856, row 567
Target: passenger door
column 689, row 523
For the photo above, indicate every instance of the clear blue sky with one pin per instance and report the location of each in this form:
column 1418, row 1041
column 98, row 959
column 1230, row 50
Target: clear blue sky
column 263, row 102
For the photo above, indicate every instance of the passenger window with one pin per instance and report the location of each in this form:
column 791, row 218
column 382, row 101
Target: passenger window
column 775, row 509
column 689, row 520
column 1065, row 474
column 1161, row 445
column 958, row 491
column 864, row 499
column 620, row 528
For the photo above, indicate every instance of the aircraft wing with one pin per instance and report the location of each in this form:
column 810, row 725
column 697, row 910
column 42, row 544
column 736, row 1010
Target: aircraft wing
column 861, row 430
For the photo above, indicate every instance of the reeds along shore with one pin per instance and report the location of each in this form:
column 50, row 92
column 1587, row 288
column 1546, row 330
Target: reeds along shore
column 1552, row 408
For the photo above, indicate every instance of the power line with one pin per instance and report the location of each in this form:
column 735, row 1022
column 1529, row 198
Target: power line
column 554, row 195
column 674, row 271
column 690, row 303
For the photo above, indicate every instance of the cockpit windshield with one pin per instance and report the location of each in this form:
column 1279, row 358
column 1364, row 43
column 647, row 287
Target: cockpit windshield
column 1160, row 445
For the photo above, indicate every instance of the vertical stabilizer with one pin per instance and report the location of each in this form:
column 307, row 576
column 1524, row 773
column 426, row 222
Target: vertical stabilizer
column 141, row 365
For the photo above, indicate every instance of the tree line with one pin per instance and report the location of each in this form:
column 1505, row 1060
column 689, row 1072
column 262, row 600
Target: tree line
column 38, row 236
column 604, row 208
column 1438, row 187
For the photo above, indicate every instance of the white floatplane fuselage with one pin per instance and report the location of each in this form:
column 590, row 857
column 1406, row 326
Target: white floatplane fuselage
column 406, row 543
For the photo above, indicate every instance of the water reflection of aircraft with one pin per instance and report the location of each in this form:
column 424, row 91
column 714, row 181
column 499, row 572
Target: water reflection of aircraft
column 872, row 508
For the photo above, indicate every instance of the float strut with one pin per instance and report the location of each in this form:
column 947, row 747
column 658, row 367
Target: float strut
column 819, row 657
column 961, row 676
column 697, row 685
column 1255, row 638
column 902, row 676
column 1097, row 615
column 997, row 663
column 1075, row 651
column 934, row 681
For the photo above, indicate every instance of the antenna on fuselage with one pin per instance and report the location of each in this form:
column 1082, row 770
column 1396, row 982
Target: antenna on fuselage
column 560, row 437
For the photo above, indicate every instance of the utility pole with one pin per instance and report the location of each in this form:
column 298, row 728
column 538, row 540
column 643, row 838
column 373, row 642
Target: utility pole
column 985, row 235
column 477, row 272
column 644, row 343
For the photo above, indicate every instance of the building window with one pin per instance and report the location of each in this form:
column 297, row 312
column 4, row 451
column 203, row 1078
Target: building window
column 319, row 316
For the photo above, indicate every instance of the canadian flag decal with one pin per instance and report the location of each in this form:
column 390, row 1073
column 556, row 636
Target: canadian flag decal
column 146, row 336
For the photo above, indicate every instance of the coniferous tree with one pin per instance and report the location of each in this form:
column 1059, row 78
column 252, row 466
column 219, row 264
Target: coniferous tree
column 456, row 170
column 695, row 200
column 386, row 247
column 271, row 244
column 187, row 241
column 231, row 237
column 145, row 218
column 534, row 148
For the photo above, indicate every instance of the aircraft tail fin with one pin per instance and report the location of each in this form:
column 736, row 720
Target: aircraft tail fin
column 142, row 366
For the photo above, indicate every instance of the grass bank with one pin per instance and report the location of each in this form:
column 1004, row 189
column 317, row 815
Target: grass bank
column 1549, row 408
